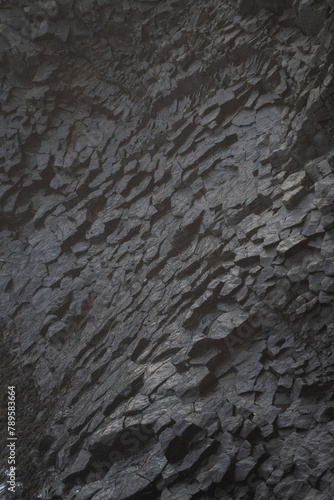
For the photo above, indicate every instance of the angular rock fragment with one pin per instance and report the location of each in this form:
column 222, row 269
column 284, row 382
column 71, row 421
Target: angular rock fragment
column 290, row 245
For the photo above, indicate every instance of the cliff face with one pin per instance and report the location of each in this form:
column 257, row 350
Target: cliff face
column 167, row 276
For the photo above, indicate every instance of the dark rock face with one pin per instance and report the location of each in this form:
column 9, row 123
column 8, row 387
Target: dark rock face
column 167, row 197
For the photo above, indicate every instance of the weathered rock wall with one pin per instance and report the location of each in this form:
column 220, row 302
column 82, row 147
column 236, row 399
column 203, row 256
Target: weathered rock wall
column 167, row 278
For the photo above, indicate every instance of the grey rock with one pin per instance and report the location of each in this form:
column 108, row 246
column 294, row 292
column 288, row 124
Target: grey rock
column 243, row 468
column 294, row 181
column 291, row 198
column 167, row 247
column 291, row 245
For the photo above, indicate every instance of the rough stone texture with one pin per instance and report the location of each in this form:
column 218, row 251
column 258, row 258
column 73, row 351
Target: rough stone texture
column 167, row 197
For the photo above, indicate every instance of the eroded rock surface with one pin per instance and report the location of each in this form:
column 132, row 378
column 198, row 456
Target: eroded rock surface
column 167, row 278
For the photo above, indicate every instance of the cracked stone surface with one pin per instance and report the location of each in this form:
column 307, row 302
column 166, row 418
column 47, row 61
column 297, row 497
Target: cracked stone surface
column 167, row 223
